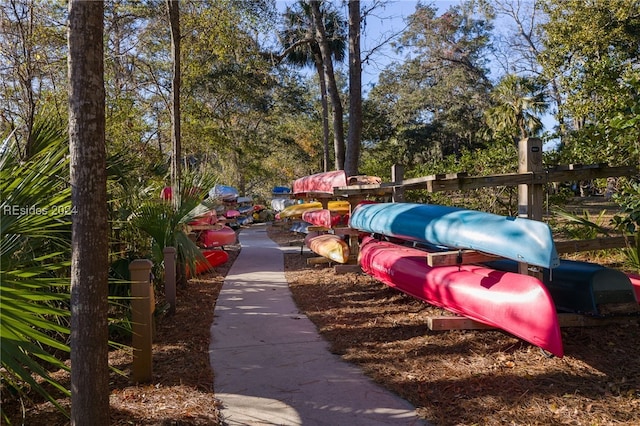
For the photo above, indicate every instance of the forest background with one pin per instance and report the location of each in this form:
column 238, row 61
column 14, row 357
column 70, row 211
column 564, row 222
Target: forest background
column 458, row 95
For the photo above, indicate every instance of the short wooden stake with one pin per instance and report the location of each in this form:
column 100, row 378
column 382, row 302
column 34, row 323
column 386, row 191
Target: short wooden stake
column 142, row 305
column 170, row 277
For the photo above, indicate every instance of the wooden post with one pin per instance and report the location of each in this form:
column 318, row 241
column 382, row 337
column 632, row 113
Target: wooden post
column 142, row 305
column 170, row 277
column 397, row 176
column 530, row 196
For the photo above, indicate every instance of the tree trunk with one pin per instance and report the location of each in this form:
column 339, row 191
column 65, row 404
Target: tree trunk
column 352, row 155
column 332, row 87
column 326, row 157
column 89, row 260
column 173, row 7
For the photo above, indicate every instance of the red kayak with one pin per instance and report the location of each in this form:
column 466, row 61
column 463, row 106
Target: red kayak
column 213, row 258
column 217, row 237
column 518, row 304
column 320, row 182
column 325, row 218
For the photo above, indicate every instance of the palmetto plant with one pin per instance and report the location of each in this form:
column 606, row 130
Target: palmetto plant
column 165, row 222
column 35, row 230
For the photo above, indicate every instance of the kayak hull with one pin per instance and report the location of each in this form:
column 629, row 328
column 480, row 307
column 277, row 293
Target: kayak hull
column 325, row 218
column 518, row 304
column 320, row 182
column 520, row 239
column 213, row 258
column 635, row 282
column 328, row 245
column 584, row 287
column 218, row 237
column 295, row 211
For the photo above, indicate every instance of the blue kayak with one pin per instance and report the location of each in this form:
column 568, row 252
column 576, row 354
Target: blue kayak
column 584, row 287
column 519, row 239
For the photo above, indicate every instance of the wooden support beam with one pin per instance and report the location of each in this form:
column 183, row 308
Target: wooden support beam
column 314, row 228
column 346, row 269
column 574, row 246
column 458, row 257
column 345, row 231
column 577, row 320
column 318, row 260
column 447, row 322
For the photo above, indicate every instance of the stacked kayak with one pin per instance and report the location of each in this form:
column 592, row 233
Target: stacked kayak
column 518, row 304
column 320, row 183
column 295, row 211
column 520, row 239
column 585, row 287
column 219, row 236
column 326, row 218
column 328, row 245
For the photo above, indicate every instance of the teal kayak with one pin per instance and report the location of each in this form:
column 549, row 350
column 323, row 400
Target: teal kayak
column 519, row 239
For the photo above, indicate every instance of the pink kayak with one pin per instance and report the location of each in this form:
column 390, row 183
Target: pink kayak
column 518, row 304
column 320, row 182
column 217, row 237
column 328, row 245
column 635, row 282
column 230, row 214
column 325, row 218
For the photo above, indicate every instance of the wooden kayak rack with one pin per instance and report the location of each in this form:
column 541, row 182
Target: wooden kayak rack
column 450, row 322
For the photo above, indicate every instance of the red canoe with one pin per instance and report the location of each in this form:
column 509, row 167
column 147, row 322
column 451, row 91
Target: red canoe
column 218, row 237
column 320, row 182
column 326, row 218
column 213, row 258
column 518, row 304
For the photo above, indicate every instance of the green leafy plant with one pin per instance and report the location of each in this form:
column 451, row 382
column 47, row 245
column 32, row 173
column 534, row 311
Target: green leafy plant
column 35, row 229
column 165, row 223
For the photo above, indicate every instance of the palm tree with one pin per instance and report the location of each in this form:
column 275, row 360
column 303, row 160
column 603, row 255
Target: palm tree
column 35, row 230
column 302, row 50
column 519, row 101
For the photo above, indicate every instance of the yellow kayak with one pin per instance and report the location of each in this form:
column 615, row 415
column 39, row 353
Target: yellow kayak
column 296, row 210
column 328, row 245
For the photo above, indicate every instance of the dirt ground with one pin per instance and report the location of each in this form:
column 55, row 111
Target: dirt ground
column 463, row 377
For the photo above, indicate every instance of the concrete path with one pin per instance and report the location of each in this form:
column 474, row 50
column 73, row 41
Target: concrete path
column 272, row 368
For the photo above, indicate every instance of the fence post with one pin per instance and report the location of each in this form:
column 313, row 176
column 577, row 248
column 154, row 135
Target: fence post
column 397, row 176
column 170, row 277
column 530, row 196
column 142, row 306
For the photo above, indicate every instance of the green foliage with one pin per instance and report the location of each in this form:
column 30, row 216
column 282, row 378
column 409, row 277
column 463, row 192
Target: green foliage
column 434, row 103
column 629, row 200
column 35, row 211
column 583, row 227
column 164, row 222
column 519, row 101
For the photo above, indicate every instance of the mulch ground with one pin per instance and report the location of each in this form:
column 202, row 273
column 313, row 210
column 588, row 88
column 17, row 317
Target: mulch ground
column 465, row 377
column 459, row 377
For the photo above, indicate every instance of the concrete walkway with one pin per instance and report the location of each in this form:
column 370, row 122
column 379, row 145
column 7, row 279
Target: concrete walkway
column 272, row 368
